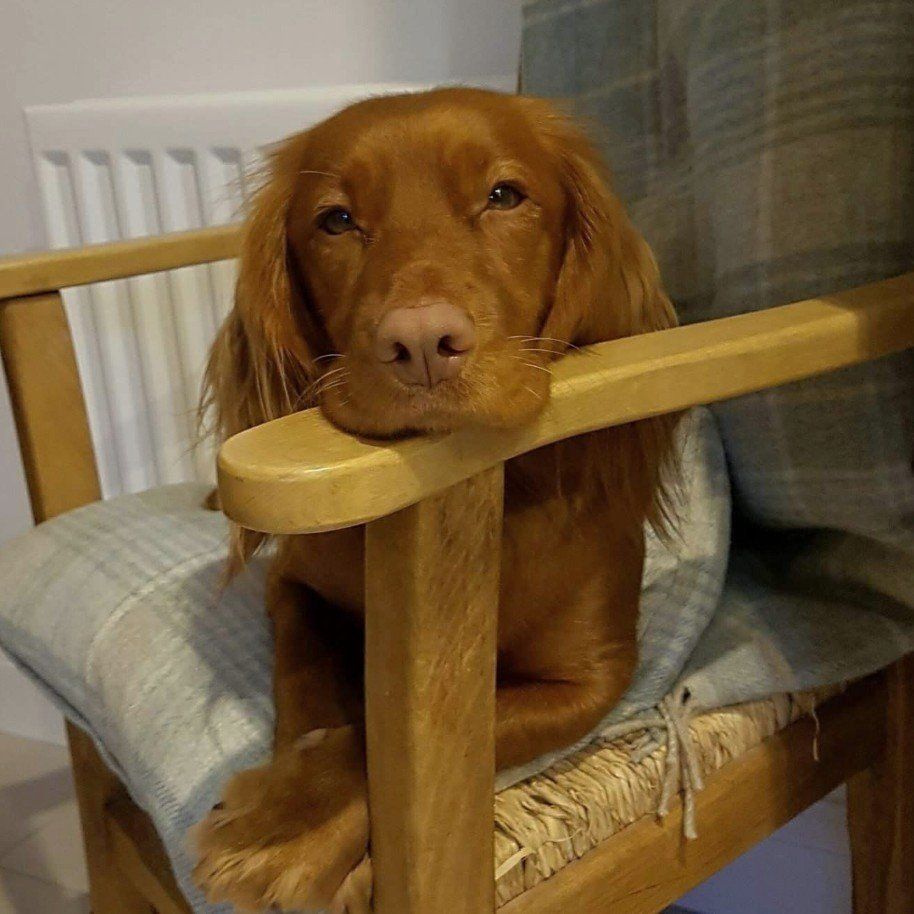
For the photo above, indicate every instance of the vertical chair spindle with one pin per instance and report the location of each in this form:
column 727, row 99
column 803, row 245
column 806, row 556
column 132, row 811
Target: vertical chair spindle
column 432, row 575
column 880, row 808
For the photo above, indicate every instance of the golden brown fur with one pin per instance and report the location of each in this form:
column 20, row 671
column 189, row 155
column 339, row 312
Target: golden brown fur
column 562, row 269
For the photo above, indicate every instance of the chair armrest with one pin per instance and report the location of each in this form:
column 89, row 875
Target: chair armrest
column 299, row 474
column 49, row 271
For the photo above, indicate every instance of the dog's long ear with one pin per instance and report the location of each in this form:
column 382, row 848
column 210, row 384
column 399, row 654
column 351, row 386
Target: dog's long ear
column 609, row 287
column 261, row 362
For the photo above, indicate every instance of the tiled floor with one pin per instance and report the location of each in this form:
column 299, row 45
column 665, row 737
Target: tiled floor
column 41, row 856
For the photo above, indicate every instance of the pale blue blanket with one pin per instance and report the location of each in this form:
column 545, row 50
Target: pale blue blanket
column 115, row 610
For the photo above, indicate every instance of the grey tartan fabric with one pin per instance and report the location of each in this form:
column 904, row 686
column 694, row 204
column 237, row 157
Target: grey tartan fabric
column 766, row 150
column 115, row 610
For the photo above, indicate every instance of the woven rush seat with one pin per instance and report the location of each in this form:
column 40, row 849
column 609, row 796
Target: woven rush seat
column 554, row 818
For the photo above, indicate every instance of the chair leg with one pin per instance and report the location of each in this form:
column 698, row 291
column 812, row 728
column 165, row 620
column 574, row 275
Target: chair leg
column 110, row 891
column 881, row 809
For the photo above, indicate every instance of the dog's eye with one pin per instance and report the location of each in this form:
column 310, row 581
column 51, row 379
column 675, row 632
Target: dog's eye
column 505, row 196
column 337, row 221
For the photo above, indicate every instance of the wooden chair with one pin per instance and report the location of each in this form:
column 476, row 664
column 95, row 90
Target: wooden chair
column 431, row 810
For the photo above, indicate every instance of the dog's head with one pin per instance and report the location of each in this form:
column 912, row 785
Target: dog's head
column 414, row 263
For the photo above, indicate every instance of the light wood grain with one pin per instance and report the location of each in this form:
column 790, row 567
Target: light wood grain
column 649, row 865
column 138, row 853
column 48, row 405
column 59, row 463
column 50, row 271
column 299, row 474
column 431, row 609
column 110, row 890
column 880, row 806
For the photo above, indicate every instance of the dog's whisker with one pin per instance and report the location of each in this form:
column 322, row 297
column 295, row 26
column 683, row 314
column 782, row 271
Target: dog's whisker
column 545, row 339
column 330, row 355
column 339, row 382
column 322, row 384
column 315, row 385
column 333, row 371
column 301, row 398
column 551, row 339
column 532, row 365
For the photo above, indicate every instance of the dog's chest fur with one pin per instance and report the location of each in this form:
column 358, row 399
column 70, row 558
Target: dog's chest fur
column 565, row 556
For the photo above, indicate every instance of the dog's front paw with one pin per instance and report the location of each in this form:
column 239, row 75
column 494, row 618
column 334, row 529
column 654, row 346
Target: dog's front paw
column 292, row 834
column 354, row 895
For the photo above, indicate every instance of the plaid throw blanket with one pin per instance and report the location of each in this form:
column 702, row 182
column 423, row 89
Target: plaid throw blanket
column 766, row 150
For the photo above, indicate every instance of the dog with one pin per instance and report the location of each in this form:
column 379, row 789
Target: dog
column 411, row 265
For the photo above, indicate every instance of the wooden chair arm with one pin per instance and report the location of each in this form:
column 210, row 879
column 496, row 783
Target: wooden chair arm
column 50, row 271
column 299, row 474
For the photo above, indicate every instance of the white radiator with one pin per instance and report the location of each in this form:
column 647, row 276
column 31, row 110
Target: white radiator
column 113, row 169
